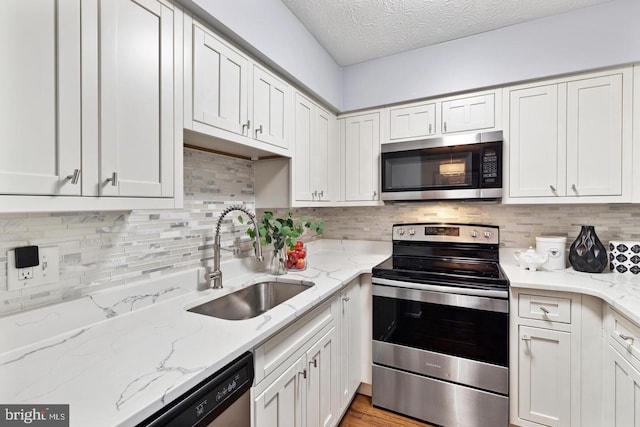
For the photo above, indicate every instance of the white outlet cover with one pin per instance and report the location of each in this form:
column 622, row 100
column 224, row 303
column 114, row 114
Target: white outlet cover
column 48, row 271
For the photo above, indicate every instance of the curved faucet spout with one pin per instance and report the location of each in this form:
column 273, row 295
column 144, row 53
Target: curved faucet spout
column 216, row 275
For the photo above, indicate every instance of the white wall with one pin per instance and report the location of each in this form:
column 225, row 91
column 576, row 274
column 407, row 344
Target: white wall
column 270, row 28
column 598, row 36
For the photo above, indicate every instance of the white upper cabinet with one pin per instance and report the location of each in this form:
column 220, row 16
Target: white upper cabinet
column 468, row 113
column 361, row 146
column 270, row 101
column 40, row 102
column 463, row 113
column 314, row 167
column 570, row 140
column 537, row 142
column 594, row 136
column 412, row 122
column 100, row 81
column 220, row 83
column 136, row 103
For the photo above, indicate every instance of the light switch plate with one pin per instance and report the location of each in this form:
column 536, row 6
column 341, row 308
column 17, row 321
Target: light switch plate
column 47, row 272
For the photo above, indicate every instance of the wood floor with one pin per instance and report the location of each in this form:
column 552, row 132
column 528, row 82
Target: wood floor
column 362, row 414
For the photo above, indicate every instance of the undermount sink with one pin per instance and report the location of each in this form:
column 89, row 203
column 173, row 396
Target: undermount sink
column 253, row 300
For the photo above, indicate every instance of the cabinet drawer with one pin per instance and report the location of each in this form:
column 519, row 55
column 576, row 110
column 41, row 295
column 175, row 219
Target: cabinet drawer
column 624, row 332
column 553, row 309
column 278, row 349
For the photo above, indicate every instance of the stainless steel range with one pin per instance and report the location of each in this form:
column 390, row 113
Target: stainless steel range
column 441, row 326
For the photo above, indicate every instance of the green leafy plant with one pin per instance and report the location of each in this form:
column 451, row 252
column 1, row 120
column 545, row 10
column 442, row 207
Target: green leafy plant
column 282, row 232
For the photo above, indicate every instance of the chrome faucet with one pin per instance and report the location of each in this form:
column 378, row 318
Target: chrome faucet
column 216, row 275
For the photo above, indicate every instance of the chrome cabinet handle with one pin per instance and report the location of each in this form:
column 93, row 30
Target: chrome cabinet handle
column 626, row 337
column 445, row 126
column 314, row 194
column 259, row 129
column 314, row 363
column 113, row 179
column 320, row 194
column 573, row 187
column 552, row 188
column 544, row 310
column 429, row 127
column 246, row 126
column 375, row 194
column 303, row 373
column 526, row 338
column 75, row 176
column 346, row 299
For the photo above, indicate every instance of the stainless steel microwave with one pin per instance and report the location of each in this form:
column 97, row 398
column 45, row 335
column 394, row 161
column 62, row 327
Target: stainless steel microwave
column 452, row 167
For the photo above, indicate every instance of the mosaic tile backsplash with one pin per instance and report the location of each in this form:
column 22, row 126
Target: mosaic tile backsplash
column 99, row 250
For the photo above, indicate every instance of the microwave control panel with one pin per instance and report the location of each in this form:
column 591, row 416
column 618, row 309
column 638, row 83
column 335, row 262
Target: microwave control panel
column 491, row 165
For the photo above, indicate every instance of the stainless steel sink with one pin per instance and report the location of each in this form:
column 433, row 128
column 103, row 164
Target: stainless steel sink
column 253, row 300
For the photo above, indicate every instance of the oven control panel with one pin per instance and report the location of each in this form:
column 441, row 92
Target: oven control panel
column 454, row 233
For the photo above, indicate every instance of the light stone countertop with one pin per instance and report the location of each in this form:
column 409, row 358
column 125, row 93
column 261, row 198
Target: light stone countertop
column 120, row 355
column 621, row 291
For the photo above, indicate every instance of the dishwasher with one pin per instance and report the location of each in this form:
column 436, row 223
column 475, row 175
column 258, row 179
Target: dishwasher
column 223, row 399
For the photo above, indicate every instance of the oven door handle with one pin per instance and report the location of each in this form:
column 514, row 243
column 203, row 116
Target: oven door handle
column 434, row 294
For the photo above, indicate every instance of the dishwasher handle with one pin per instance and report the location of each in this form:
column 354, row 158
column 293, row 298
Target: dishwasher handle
column 209, row 399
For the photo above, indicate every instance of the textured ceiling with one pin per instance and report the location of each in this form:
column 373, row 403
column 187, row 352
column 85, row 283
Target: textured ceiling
column 354, row 31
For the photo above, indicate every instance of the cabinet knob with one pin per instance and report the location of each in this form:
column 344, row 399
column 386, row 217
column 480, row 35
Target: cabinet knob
column 75, row 176
column 303, row 373
column 429, row 127
column 320, row 194
column 573, row 187
column 544, row 310
column 445, row 126
column 314, row 362
column 314, row 194
column 552, row 188
column 113, row 179
column 258, row 129
column 246, row 126
column 375, row 194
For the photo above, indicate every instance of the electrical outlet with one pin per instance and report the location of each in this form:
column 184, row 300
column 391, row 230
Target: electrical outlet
column 47, row 271
column 25, row 273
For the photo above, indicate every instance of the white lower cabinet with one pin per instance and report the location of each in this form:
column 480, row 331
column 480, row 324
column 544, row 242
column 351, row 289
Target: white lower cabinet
column 555, row 359
column 622, row 392
column 544, row 379
column 307, row 374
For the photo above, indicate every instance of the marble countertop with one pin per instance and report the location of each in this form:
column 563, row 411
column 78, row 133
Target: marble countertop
column 621, row 291
column 118, row 356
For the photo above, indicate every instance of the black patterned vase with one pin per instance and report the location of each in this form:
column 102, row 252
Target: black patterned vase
column 587, row 253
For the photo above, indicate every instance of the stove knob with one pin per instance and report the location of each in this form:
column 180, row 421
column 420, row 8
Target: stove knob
column 401, row 231
column 412, row 232
column 474, row 234
column 488, row 234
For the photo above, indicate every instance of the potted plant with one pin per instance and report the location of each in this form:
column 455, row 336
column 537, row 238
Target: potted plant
column 283, row 233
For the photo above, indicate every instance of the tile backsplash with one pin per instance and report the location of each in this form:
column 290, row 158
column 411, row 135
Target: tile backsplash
column 99, row 250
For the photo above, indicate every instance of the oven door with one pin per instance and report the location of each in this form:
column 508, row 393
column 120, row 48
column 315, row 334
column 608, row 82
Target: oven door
column 454, row 337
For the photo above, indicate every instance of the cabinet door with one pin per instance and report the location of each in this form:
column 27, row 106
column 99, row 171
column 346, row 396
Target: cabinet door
column 322, row 387
column 361, row 158
column 351, row 330
column 537, row 142
column 544, row 379
column 270, row 102
column 136, row 98
column 302, row 178
column 412, row 122
column 219, row 83
column 622, row 391
column 280, row 405
column 40, row 101
column 321, row 150
column 594, row 136
column 465, row 114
